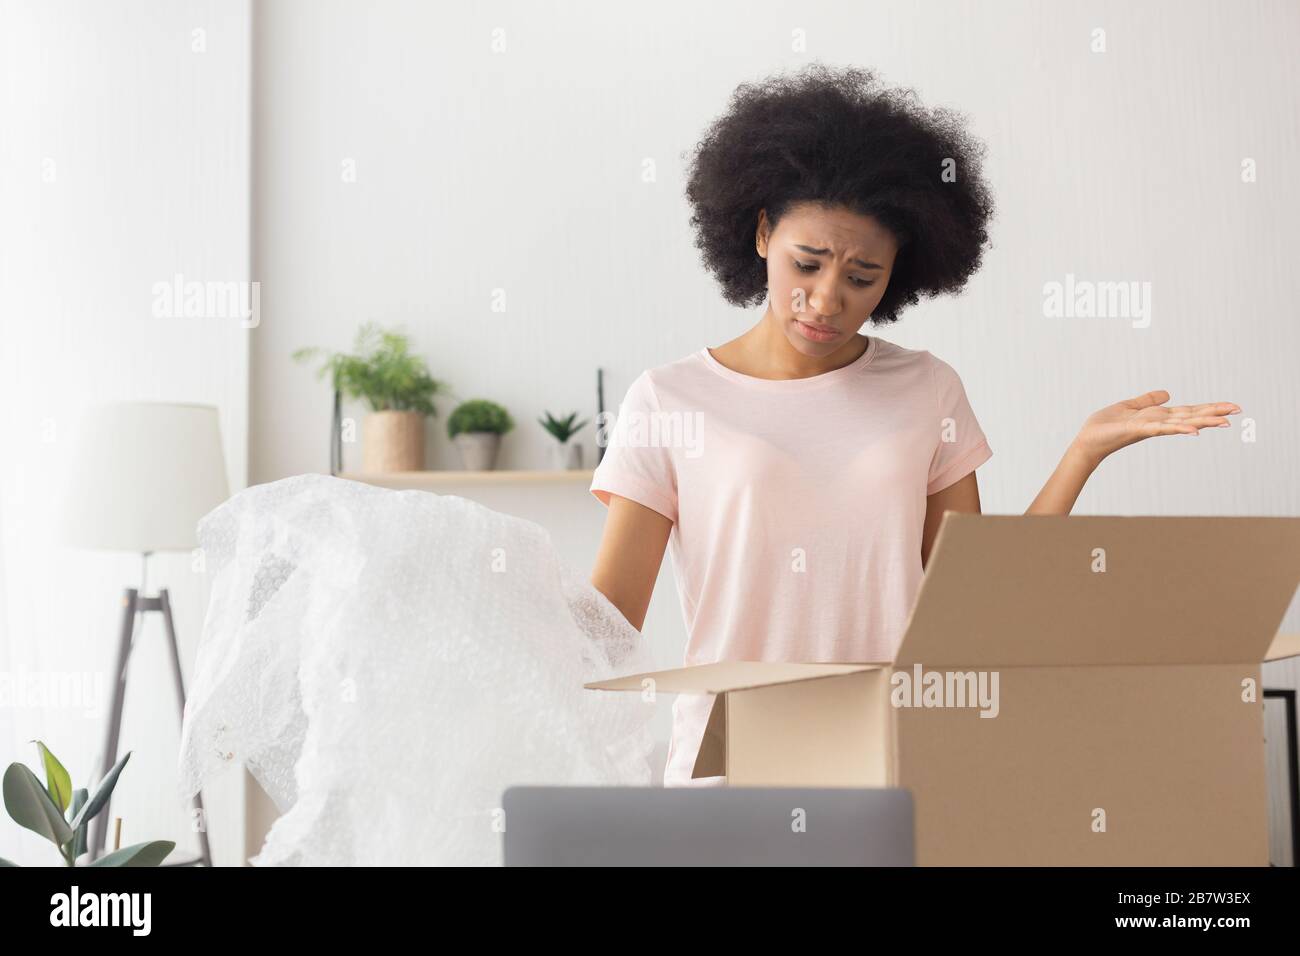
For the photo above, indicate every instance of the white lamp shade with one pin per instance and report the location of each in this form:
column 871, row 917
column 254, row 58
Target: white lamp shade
column 144, row 473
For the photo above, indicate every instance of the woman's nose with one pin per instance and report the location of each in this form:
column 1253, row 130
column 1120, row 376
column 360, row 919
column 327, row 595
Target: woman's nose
column 824, row 299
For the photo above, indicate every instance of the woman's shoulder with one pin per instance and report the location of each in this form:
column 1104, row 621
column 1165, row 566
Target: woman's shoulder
column 891, row 353
column 921, row 357
column 651, row 385
column 677, row 370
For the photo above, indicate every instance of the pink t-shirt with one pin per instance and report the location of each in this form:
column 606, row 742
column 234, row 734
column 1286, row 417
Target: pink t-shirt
column 797, row 505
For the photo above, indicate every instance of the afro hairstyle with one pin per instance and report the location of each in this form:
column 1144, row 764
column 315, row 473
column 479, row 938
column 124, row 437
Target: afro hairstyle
column 837, row 137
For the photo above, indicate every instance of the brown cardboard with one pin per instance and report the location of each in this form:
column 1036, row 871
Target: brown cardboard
column 1128, row 727
column 1284, row 645
column 725, row 676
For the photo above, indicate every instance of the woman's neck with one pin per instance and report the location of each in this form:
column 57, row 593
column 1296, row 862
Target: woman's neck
column 766, row 352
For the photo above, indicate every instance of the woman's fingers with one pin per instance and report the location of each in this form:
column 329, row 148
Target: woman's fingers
column 1210, row 408
column 1184, row 426
column 1158, row 397
column 1169, row 428
column 1199, row 420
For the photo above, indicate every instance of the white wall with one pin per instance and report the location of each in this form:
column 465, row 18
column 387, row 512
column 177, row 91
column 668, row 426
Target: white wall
column 522, row 171
column 123, row 161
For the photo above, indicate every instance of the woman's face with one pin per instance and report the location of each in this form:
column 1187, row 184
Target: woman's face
column 827, row 269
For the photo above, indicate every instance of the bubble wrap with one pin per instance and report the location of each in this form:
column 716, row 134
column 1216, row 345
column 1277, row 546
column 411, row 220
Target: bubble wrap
column 386, row 663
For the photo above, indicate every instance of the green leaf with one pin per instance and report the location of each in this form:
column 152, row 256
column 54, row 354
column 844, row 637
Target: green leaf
column 562, row 428
column 57, row 781
column 79, row 798
column 382, row 371
column 105, row 790
column 479, row 415
column 30, row 805
column 141, row 854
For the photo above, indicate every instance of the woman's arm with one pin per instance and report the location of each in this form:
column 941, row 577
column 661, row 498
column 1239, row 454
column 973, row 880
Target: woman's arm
column 1105, row 432
column 1062, row 489
column 962, row 495
column 1114, row 427
column 631, row 551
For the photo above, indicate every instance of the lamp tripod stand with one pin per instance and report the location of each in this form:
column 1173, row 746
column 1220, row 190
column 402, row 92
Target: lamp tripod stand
column 134, row 609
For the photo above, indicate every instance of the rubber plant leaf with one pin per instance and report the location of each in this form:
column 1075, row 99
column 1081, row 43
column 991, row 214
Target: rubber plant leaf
column 29, row 803
column 105, row 790
column 57, row 781
column 141, row 854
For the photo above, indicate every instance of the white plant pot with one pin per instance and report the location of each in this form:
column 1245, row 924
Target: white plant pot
column 566, row 456
column 478, row 450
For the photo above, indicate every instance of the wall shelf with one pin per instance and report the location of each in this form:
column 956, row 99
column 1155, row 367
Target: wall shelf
column 438, row 479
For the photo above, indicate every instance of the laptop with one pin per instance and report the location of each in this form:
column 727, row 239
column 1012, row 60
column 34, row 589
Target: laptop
column 707, row 826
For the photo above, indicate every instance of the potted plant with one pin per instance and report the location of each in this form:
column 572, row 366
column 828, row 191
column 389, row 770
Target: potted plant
column 476, row 427
column 397, row 387
column 62, row 815
column 564, row 456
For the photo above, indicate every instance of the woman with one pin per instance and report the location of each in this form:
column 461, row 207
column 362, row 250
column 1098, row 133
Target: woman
column 800, row 470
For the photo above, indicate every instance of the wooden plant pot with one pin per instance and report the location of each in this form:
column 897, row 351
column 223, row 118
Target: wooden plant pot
column 392, row 441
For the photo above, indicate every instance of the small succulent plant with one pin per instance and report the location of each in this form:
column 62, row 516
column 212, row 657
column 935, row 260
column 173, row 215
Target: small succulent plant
column 562, row 428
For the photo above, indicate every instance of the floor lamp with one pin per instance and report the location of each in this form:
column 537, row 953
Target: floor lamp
column 145, row 473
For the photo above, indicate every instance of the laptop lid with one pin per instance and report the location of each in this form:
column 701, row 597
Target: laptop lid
column 707, row 826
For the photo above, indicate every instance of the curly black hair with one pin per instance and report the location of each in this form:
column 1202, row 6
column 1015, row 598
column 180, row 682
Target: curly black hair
column 838, row 137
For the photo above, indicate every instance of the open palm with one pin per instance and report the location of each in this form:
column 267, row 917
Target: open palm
column 1132, row 420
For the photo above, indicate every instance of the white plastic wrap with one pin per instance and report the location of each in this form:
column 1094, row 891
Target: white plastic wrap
column 386, row 663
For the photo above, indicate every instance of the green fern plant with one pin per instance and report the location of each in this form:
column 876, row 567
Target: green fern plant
column 62, row 815
column 381, row 370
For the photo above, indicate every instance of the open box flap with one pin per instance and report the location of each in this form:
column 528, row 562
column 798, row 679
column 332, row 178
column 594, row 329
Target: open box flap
column 1283, row 646
column 711, row 759
column 726, row 676
column 1013, row 590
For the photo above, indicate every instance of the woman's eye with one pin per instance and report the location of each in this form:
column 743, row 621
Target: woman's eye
column 812, row 267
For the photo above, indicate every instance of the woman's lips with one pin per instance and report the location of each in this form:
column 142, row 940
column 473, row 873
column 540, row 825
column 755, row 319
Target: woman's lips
column 817, row 333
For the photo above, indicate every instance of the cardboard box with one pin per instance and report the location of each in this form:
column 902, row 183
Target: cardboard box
column 1120, row 660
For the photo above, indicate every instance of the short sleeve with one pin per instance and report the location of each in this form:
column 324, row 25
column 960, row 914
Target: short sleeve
column 961, row 446
column 636, row 464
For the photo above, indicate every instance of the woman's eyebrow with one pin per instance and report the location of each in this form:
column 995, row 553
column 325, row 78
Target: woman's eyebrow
column 821, row 252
